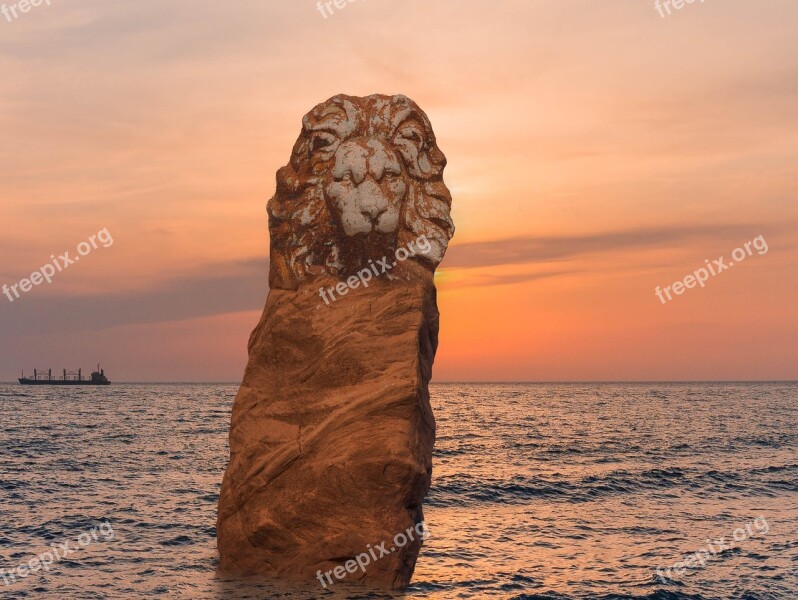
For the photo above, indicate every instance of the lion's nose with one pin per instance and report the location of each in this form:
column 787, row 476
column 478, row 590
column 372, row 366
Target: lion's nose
column 372, row 201
column 373, row 214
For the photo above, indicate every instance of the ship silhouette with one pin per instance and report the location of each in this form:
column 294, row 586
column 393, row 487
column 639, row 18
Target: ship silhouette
column 41, row 377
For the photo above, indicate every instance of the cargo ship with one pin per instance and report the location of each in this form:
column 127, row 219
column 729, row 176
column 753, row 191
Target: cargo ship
column 68, row 378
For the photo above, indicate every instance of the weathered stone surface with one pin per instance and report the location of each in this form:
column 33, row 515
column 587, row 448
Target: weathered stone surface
column 332, row 431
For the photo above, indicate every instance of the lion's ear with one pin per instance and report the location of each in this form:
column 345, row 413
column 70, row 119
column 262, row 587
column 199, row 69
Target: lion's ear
column 416, row 143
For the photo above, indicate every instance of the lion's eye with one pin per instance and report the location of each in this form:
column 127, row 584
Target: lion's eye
column 322, row 140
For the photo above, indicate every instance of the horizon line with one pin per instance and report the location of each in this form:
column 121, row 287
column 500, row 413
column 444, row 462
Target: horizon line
column 531, row 382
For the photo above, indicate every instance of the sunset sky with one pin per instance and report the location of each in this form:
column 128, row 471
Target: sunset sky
column 596, row 151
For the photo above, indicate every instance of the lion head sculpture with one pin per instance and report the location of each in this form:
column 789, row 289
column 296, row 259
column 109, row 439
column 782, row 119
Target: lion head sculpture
column 365, row 179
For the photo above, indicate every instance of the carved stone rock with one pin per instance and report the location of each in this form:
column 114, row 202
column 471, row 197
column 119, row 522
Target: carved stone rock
column 332, row 431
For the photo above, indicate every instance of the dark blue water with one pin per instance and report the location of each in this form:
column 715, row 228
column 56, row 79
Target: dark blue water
column 539, row 491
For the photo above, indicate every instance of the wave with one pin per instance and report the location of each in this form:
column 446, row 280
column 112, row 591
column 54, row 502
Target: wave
column 463, row 489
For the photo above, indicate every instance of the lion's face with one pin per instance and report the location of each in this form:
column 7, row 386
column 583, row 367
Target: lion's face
column 365, row 178
column 367, row 189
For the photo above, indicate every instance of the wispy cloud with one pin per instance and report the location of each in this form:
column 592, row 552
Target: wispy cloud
column 226, row 288
column 543, row 249
column 491, row 280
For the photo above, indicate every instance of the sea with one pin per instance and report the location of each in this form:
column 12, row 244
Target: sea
column 559, row 491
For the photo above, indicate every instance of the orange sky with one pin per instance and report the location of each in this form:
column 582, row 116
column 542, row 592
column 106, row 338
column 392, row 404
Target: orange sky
column 596, row 150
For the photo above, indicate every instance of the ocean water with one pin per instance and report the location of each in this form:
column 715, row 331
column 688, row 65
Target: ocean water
column 549, row 491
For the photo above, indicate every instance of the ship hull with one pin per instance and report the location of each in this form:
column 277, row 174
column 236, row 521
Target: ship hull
column 60, row 382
